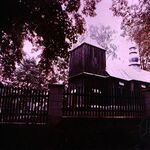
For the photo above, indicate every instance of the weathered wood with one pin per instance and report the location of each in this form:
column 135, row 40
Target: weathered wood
column 146, row 95
column 97, row 103
column 87, row 58
column 31, row 106
column 22, row 105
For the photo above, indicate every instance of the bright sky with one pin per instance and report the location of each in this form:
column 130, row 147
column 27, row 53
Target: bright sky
column 105, row 17
column 29, row 52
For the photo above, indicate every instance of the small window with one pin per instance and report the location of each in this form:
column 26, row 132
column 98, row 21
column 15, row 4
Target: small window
column 121, row 83
column 134, row 59
column 96, row 91
column 143, row 86
column 73, row 91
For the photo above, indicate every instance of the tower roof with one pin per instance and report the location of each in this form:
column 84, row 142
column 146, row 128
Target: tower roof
column 86, row 39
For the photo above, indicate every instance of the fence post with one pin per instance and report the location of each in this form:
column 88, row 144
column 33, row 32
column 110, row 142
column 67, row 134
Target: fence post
column 56, row 92
column 144, row 126
column 146, row 94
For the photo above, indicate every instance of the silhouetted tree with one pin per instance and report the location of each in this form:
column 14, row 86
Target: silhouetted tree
column 54, row 24
column 28, row 74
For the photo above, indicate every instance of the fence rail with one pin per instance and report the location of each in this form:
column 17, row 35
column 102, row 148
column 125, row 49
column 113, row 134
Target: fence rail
column 23, row 105
column 110, row 103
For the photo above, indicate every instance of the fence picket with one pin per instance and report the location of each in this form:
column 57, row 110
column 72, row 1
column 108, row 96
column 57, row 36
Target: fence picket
column 23, row 105
column 28, row 105
column 112, row 102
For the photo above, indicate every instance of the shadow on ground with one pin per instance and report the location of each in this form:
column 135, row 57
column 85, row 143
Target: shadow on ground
column 71, row 136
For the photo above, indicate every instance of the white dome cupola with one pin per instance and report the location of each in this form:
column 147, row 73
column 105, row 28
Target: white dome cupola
column 134, row 59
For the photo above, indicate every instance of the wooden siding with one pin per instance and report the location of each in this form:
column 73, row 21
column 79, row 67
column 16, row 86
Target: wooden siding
column 76, row 64
column 94, row 60
column 146, row 93
column 85, row 80
column 138, row 85
column 87, row 58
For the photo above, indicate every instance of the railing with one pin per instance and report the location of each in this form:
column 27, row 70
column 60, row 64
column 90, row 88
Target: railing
column 23, row 105
column 105, row 103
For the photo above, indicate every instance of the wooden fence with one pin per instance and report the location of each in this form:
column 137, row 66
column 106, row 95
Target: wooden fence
column 31, row 106
column 26, row 105
column 102, row 103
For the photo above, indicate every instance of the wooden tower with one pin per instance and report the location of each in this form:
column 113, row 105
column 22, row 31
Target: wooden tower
column 87, row 67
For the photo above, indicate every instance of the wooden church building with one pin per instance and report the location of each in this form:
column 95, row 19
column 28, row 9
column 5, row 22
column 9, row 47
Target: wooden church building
column 123, row 88
column 89, row 68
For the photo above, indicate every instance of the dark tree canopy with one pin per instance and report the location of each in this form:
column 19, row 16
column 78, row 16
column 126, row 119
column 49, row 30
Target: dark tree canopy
column 54, row 24
column 28, row 74
column 136, row 25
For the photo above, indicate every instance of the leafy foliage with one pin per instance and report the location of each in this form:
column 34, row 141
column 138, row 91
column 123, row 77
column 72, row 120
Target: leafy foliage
column 104, row 37
column 54, row 24
column 28, row 74
column 136, row 25
column 100, row 35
